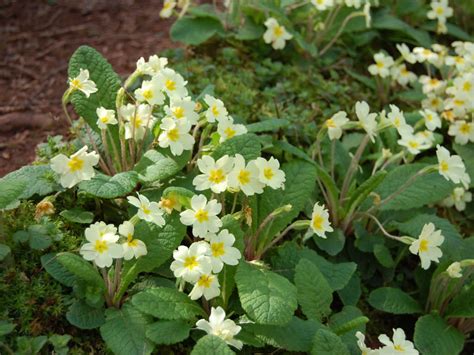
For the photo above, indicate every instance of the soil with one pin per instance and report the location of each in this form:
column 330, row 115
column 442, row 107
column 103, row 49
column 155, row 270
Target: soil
column 39, row 37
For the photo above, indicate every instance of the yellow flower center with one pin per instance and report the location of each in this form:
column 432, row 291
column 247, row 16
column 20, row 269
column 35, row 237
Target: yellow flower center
column 459, row 60
column 76, row 83
column 145, row 209
column 429, row 117
column 100, row 246
column 458, row 102
column 190, row 262
column 137, row 121
column 75, row 164
column 404, row 71
column 168, row 202
column 379, row 64
column 268, row 173
column 396, row 122
column 398, row 348
column 318, row 222
column 465, row 128
column 439, row 10
column 330, row 123
column 170, row 85
column 444, row 166
column 104, row 119
column 216, row 176
column 244, row 177
column 467, row 86
column 205, row 281
column 434, row 81
column 229, row 132
column 413, row 144
column 217, row 249
column 423, row 245
column 278, row 31
column 215, row 110
column 202, row 216
column 131, row 242
column 148, row 94
column 426, row 52
column 178, row 112
column 173, row 134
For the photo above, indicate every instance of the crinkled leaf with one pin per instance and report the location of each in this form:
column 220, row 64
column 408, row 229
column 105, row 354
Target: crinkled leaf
column 168, row 332
column 104, row 186
column 313, row 291
column 167, row 303
column 83, row 316
column 266, row 297
column 269, row 125
column 159, row 165
column 416, row 194
column 211, row 345
column 124, row 331
column 326, row 342
column 105, row 78
column 6, row 327
column 295, row 335
column 57, row 270
column 433, row 336
column 194, row 31
column 246, row 145
column 78, row 215
column 462, row 305
column 81, row 269
column 393, row 300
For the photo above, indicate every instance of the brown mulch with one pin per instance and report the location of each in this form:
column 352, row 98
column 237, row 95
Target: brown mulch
column 37, row 40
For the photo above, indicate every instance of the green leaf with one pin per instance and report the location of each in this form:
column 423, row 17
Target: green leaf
column 194, row 31
column 326, row 342
column 167, row 303
column 433, row 336
column 269, row 125
column 124, row 331
column 81, row 269
column 26, row 182
column 348, row 322
column 333, row 244
column 168, row 332
column 211, row 345
column 102, row 74
column 385, row 21
column 453, row 242
column 393, row 300
column 462, row 305
column 160, row 243
column 313, row 292
column 57, row 270
column 6, row 327
column 337, row 275
column 104, row 186
column 78, row 215
column 83, row 316
column 382, row 253
column 295, row 335
column 246, row 145
column 300, row 183
column 467, row 154
column 30, row 345
column 249, row 31
column 350, row 294
column 362, row 191
column 159, row 165
column 4, row 251
column 266, row 297
column 416, row 194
